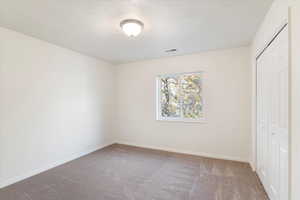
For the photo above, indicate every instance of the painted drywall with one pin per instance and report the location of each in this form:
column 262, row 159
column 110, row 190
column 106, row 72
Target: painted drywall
column 295, row 99
column 56, row 105
column 276, row 17
column 226, row 132
column 92, row 26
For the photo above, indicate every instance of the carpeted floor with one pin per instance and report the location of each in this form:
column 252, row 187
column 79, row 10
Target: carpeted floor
column 121, row 172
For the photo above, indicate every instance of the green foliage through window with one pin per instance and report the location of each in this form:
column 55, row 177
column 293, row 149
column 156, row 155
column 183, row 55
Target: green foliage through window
column 180, row 96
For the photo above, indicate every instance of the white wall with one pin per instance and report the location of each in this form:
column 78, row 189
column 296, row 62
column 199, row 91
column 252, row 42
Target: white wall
column 227, row 95
column 55, row 105
column 276, row 17
column 295, row 107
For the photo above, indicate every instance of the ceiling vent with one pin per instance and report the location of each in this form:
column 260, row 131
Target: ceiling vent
column 171, row 50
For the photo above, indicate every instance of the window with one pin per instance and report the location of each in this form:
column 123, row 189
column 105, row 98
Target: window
column 179, row 97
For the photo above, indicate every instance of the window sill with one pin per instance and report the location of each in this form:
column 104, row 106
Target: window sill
column 200, row 121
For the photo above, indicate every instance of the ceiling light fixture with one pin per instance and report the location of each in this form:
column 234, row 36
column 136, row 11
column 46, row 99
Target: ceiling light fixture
column 132, row 27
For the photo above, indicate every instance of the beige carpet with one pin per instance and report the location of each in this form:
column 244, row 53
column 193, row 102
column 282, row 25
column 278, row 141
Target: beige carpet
column 121, row 172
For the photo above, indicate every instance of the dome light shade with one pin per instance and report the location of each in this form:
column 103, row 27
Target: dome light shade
column 132, row 27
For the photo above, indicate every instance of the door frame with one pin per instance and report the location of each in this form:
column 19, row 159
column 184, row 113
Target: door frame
column 284, row 25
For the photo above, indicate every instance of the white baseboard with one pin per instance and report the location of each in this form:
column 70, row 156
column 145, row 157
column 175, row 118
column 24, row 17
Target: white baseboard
column 209, row 155
column 253, row 166
column 34, row 172
column 16, row 179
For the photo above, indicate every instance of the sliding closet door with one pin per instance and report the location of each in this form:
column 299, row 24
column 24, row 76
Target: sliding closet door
column 272, row 117
column 263, row 119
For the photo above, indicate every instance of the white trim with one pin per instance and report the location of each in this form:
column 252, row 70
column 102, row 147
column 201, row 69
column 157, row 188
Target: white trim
column 183, row 120
column 283, row 27
column 179, row 119
column 267, row 42
column 202, row 154
column 24, row 176
column 259, row 52
column 181, row 73
column 253, row 166
column 47, row 167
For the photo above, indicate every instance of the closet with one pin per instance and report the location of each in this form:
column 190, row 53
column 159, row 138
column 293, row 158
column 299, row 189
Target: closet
column 272, row 116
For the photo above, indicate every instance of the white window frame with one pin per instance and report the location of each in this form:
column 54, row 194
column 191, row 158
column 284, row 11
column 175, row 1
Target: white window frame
column 178, row 119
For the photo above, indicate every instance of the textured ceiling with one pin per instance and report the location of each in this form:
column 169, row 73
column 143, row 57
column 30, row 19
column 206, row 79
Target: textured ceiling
column 92, row 26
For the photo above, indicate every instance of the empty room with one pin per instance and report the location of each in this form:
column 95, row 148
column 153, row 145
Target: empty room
column 149, row 100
